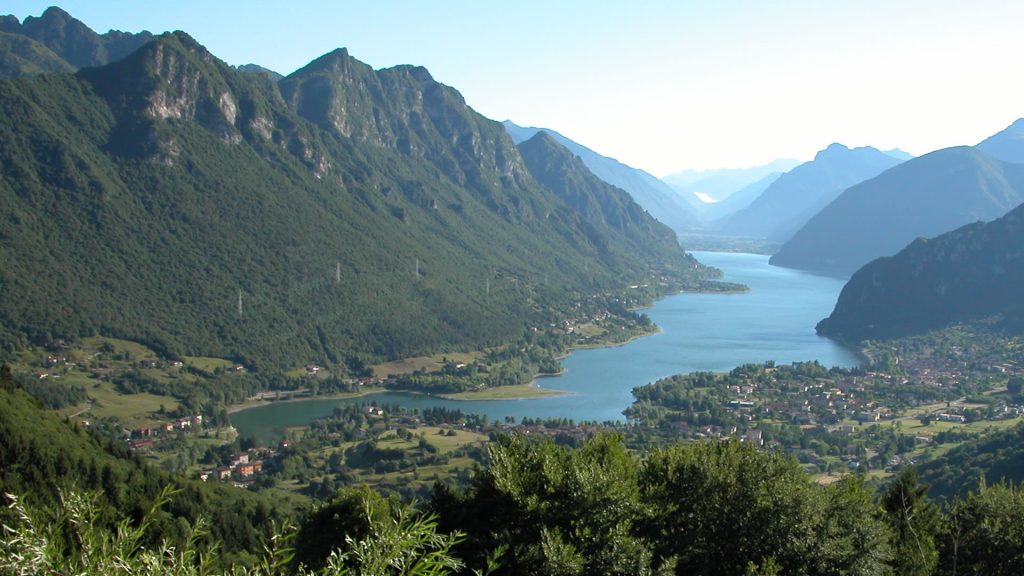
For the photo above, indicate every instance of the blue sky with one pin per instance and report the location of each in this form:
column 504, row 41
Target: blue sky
column 659, row 85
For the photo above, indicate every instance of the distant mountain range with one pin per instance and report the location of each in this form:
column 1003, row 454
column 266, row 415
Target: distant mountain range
column 796, row 196
column 340, row 212
column 739, row 199
column 971, row 273
column 1007, row 145
column 701, row 187
column 925, row 196
column 652, row 194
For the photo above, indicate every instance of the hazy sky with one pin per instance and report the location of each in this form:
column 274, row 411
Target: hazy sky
column 659, row 85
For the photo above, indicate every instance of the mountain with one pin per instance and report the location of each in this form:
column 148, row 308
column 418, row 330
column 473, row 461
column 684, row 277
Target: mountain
column 926, row 196
column 71, row 40
column 342, row 212
column 1007, row 145
column 739, row 199
column 791, row 200
column 899, row 154
column 652, row 194
column 257, row 69
column 702, row 186
column 971, row 273
column 604, row 205
column 22, row 56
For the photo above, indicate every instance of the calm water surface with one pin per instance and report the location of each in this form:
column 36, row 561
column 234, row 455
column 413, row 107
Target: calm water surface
column 774, row 321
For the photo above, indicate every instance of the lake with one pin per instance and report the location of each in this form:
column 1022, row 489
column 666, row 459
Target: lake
column 773, row 321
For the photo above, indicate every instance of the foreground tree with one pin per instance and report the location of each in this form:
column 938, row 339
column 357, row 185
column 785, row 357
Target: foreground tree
column 555, row 510
column 985, row 533
column 915, row 523
column 725, row 508
column 74, row 542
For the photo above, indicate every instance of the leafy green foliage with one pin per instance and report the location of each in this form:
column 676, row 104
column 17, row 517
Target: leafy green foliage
column 915, row 522
column 717, row 506
column 996, row 457
column 75, row 543
column 44, row 456
column 986, row 532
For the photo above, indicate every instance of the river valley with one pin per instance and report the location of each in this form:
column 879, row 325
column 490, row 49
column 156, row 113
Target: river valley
column 717, row 332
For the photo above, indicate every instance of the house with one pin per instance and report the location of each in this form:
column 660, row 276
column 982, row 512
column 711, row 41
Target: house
column 871, row 416
column 754, row 437
column 141, row 444
column 245, row 470
column 222, row 473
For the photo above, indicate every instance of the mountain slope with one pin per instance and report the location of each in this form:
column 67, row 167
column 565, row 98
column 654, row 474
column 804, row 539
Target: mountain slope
column 609, row 209
column 652, row 194
column 1007, row 145
column 970, row 273
column 22, row 56
column 72, row 40
column 791, row 200
column 172, row 199
column 926, row 196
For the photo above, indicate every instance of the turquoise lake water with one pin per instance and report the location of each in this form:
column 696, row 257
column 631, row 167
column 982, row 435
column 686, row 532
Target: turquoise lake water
column 773, row 321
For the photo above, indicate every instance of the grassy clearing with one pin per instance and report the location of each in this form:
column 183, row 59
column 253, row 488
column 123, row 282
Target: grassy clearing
column 424, row 363
column 915, row 428
column 505, row 393
column 589, row 330
column 135, row 350
column 207, row 364
column 130, row 409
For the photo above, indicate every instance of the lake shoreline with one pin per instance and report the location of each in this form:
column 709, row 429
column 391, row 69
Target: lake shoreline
column 705, row 331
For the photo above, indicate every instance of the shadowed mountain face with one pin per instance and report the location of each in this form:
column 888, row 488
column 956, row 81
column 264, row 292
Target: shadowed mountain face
column 652, row 194
column 971, row 273
column 23, row 56
column 606, row 207
column 72, row 41
column 791, row 200
column 926, row 196
column 172, row 199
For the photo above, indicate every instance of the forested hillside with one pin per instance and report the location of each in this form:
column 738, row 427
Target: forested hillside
column 46, row 457
column 344, row 212
column 972, row 273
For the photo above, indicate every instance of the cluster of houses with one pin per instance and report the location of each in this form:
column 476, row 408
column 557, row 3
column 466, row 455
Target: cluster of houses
column 142, row 438
column 242, row 468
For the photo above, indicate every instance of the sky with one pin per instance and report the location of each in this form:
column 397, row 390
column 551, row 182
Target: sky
column 660, row 85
